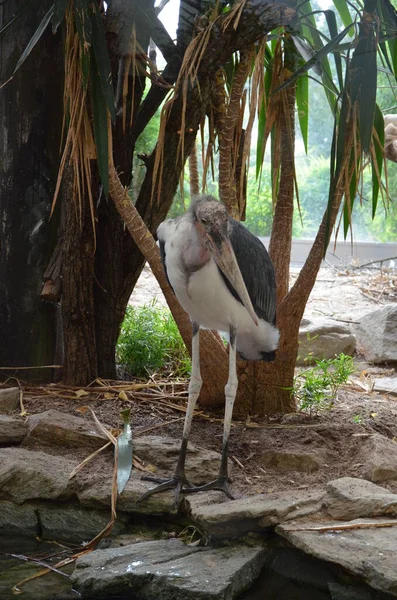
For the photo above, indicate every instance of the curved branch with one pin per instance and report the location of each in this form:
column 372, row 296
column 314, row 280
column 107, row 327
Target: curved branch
column 224, row 37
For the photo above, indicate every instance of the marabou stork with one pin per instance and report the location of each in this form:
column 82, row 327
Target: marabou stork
column 224, row 279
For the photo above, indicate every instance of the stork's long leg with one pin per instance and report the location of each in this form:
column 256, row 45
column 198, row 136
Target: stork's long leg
column 179, row 478
column 221, row 483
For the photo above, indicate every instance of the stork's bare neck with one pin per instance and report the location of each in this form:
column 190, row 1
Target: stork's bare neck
column 210, row 227
column 213, row 226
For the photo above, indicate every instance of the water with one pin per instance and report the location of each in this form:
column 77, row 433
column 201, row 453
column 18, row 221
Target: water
column 14, row 570
column 289, row 575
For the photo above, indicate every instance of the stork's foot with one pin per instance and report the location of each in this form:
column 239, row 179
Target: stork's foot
column 175, row 483
column 221, row 485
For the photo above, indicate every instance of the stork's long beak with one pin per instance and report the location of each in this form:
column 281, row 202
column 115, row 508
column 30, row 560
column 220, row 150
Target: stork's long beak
column 225, row 258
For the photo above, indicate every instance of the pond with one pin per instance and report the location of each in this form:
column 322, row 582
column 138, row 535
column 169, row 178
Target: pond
column 289, row 575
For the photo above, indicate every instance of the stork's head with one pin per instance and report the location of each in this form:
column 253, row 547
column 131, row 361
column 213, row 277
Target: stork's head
column 213, row 226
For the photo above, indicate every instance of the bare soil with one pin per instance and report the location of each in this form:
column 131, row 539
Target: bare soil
column 335, row 435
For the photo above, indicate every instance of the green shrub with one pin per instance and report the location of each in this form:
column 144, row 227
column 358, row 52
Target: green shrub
column 316, row 388
column 149, row 341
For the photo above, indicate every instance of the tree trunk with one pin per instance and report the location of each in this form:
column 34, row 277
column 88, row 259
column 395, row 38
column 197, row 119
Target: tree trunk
column 78, row 312
column 281, row 237
column 133, row 260
column 31, row 119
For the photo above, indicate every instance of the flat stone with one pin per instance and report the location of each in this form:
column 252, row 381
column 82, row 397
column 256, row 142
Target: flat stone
column 348, row 592
column 368, row 553
column 377, row 335
column 75, row 523
column 29, row 475
column 350, row 498
column 9, row 400
column 12, row 430
column 379, row 455
column 98, row 495
column 386, row 385
column 162, row 452
column 169, row 570
column 236, row 518
column 293, row 460
column 324, row 338
column 17, row 520
column 53, row 428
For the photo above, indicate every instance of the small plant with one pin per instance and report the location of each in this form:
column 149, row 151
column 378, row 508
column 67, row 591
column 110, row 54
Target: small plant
column 316, row 388
column 149, row 341
column 357, row 419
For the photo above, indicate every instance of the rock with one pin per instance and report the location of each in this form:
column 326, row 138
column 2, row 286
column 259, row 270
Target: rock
column 169, row 570
column 379, row 457
column 9, row 400
column 18, row 520
column 386, row 385
column 28, row 475
column 377, row 335
column 350, row 498
column 74, row 523
column 368, row 553
column 324, row 338
column 296, row 566
column 348, row 592
column 238, row 517
column 12, row 430
column 162, row 452
column 293, row 460
column 53, row 428
column 98, row 496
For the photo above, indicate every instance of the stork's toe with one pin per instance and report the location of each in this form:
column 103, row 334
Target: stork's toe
column 221, row 485
column 175, row 483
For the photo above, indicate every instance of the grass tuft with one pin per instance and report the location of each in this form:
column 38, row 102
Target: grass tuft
column 316, row 388
column 149, row 342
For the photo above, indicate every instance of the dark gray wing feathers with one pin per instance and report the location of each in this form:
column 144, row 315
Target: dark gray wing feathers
column 162, row 254
column 257, row 271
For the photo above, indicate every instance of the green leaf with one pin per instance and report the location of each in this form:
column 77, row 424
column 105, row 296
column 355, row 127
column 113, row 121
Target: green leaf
column 230, row 71
column 349, row 201
column 302, row 102
column 102, row 60
column 343, row 10
column 317, row 57
column 333, row 31
column 124, row 449
column 260, row 144
column 377, row 161
column 35, row 38
column 309, row 28
column 388, row 16
column 332, row 185
column 275, row 163
column 85, row 67
column 59, row 14
column 100, row 127
column 306, row 52
column 363, row 74
column 260, row 149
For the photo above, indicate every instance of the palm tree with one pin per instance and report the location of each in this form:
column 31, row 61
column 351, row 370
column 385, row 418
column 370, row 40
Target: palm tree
column 220, row 47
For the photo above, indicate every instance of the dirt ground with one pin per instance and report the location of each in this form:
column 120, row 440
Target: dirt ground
column 158, row 408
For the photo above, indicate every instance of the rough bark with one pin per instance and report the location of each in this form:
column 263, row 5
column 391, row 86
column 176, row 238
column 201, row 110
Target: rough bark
column 113, row 286
column 281, row 237
column 30, row 123
column 78, row 312
column 194, row 172
column 228, row 153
